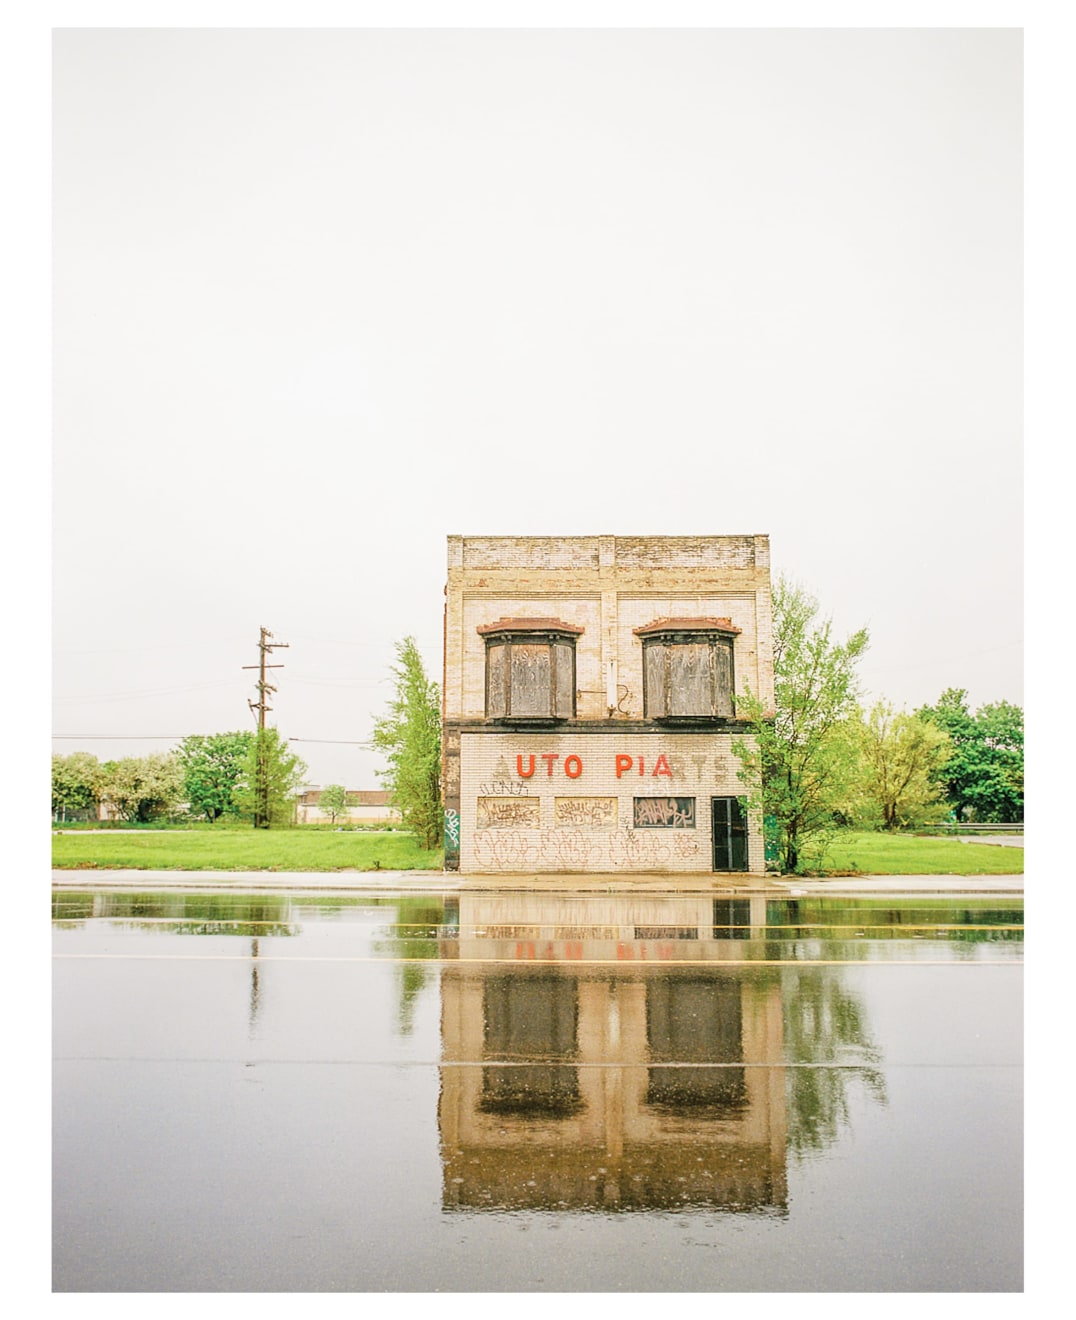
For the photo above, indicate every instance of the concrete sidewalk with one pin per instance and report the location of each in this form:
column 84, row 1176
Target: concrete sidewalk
column 452, row 882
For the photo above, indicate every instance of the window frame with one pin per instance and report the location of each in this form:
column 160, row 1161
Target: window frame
column 553, row 634
column 718, row 636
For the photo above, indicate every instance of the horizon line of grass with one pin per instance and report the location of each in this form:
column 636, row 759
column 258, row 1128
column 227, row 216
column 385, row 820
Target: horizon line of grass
column 300, row 849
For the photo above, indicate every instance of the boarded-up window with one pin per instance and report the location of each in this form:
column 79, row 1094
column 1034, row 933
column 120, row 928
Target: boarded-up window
column 584, row 813
column 508, row 813
column 688, row 676
column 496, row 681
column 723, row 688
column 656, row 684
column 531, row 668
column 690, row 680
column 564, row 682
column 530, row 672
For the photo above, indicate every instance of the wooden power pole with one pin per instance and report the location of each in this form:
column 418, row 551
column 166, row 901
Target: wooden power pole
column 261, row 787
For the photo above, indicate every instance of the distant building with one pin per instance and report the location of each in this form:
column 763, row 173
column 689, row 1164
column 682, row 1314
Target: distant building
column 363, row 806
column 590, row 689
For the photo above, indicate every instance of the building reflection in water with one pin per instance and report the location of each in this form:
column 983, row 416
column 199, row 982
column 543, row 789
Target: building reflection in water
column 599, row 1053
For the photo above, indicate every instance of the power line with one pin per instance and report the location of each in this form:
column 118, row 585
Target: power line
column 324, row 681
column 936, row 661
column 134, row 694
column 338, row 742
column 339, row 641
column 171, row 647
column 179, row 737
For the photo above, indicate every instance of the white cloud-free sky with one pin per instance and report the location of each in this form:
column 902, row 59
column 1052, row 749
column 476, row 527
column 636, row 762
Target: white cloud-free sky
column 323, row 297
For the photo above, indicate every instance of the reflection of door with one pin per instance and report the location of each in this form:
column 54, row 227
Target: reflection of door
column 730, row 834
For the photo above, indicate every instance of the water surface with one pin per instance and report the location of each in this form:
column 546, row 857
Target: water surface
column 521, row 1092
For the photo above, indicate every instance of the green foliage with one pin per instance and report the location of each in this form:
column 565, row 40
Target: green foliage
column 409, row 736
column 76, row 784
column 983, row 779
column 212, row 768
column 272, row 774
column 801, row 759
column 827, row 1035
column 900, row 755
column 143, row 788
column 409, row 944
column 333, row 802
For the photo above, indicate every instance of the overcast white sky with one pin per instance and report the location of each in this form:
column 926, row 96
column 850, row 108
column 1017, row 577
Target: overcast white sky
column 322, row 298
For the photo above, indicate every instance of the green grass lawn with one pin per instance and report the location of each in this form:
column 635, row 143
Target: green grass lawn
column 904, row 854
column 245, row 849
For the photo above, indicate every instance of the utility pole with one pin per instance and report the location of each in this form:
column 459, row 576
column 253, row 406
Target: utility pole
column 261, row 787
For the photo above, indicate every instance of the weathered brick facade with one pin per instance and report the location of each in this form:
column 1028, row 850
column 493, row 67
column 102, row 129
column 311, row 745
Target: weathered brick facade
column 601, row 787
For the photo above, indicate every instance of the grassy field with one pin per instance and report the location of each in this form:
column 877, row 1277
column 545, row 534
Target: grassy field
column 851, row 853
column 246, row 849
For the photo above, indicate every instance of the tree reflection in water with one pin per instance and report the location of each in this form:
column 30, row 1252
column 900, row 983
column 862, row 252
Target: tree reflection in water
column 410, row 940
column 179, row 913
column 828, row 1046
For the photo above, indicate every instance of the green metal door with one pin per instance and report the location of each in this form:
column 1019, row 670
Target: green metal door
column 730, row 834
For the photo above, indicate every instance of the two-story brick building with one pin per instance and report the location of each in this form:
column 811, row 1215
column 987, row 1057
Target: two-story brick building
column 590, row 689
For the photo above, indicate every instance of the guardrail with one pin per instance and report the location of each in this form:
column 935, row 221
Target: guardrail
column 965, row 827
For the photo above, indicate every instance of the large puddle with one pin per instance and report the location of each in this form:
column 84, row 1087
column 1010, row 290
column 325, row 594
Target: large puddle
column 526, row 1092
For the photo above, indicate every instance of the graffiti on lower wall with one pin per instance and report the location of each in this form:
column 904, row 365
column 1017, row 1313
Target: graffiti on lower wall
column 497, row 813
column 596, row 813
column 581, row 850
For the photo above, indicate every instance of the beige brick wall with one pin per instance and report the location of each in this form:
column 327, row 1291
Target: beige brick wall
column 580, row 609
column 701, row 765
column 608, row 586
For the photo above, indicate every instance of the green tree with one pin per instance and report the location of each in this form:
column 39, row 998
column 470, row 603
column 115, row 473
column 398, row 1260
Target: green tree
column 983, row 780
column 900, row 755
column 333, row 802
column 800, row 762
column 409, row 736
column 272, row 774
column 76, row 784
column 212, row 768
column 143, row 788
